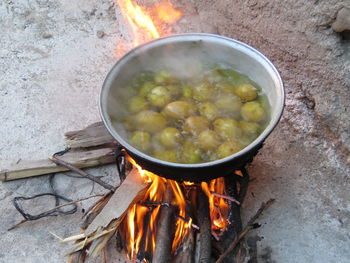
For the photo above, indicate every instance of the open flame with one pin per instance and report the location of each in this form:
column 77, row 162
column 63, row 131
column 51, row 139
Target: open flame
column 140, row 225
column 148, row 23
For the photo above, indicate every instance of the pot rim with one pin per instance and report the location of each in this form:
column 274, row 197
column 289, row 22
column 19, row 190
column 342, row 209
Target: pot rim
column 192, row 37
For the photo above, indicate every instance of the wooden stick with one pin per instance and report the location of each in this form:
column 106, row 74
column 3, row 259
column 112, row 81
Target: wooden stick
column 53, row 209
column 129, row 192
column 86, row 159
column 93, row 135
column 82, row 173
column 230, row 198
column 187, row 248
column 249, row 227
column 165, row 234
column 205, row 227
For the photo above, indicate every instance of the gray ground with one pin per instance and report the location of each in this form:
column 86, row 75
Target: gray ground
column 52, row 67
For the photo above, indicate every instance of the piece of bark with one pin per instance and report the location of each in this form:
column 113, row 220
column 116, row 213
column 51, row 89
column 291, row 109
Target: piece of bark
column 204, row 222
column 129, row 192
column 93, row 135
column 165, row 233
column 84, row 159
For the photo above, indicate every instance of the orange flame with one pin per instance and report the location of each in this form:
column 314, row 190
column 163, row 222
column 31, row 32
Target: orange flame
column 146, row 23
column 217, row 205
column 167, row 13
column 137, row 213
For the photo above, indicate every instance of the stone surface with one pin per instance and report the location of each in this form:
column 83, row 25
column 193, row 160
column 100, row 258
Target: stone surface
column 52, row 67
column 342, row 21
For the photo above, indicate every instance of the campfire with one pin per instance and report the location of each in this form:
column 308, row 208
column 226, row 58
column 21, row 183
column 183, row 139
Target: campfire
column 154, row 219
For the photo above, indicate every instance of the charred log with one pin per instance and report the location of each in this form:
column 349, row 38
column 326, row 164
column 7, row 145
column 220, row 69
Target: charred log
column 203, row 216
column 165, row 233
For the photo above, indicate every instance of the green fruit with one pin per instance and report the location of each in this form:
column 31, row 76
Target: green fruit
column 174, row 90
column 214, row 76
column 150, row 121
column 141, row 140
column 253, row 111
column 203, row 92
column 179, row 109
column 227, row 128
column 170, row 137
column 247, row 92
column 137, row 104
column 146, row 88
column 159, row 96
column 225, row 87
column 229, row 104
column 196, row 124
column 164, row 77
column 166, row 155
column 190, row 153
column 187, row 91
column 208, row 110
column 228, row 148
column 208, row 140
column 250, row 129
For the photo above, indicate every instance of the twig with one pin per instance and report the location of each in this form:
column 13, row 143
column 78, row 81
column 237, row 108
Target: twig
column 226, row 197
column 186, row 220
column 261, row 209
column 53, row 209
column 249, row 227
column 155, row 203
column 82, row 173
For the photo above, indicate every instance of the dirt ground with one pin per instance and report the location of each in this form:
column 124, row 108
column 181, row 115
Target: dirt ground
column 53, row 62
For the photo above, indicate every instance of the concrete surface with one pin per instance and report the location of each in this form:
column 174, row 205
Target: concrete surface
column 52, row 67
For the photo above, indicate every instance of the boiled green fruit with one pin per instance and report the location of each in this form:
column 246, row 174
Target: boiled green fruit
column 150, row 121
column 159, row 96
column 203, row 91
column 141, row 140
column 179, row 109
column 208, row 110
column 227, row 128
column 137, row 104
column 253, row 111
column 228, row 148
column 170, row 137
column 190, row 153
column 246, row 92
column 208, row 140
column 229, row 104
column 196, row 124
column 166, row 155
column 195, row 119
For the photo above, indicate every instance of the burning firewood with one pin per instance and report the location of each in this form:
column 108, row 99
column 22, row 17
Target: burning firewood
column 165, row 233
column 205, row 227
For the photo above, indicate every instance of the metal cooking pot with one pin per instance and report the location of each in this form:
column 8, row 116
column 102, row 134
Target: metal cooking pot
column 182, row 52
